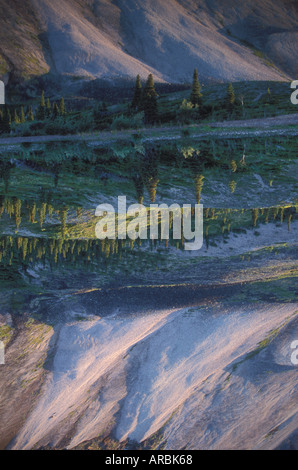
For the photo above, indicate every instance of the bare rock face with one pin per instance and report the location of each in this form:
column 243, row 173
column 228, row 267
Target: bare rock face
column 226, row 40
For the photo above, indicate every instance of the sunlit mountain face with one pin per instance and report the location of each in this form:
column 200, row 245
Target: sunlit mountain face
column 227, row 40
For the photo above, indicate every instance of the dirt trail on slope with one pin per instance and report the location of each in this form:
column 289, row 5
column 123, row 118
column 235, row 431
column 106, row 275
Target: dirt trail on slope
column 266, row 126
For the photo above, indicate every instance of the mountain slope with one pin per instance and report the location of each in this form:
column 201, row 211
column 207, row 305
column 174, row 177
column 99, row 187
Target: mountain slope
column 198, row 377
column 120, row 38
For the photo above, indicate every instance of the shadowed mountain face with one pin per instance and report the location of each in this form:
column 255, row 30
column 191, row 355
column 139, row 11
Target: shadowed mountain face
column 226, row 40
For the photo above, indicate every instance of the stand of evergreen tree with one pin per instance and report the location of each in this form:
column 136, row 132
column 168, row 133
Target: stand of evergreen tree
column 46, row 111
column 19, row 118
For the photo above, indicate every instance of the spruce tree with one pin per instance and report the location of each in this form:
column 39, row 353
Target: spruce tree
column 268, row 97
column 255, row 215
column 42, row 100
column 30, row 115
column 62, row 106
column 22, row 116
column 41, row 109
column 151, row 187
column 137, row 98
column 196, row 95
column 199, row 186
column 232, row 185
column 233, row 166
column 139, row 185
column 48, row 108
column 32, row 212
column 17, row 204
column 230, row 97
column 63, row 221
column 16, row 117
column 55, row 111
column 149, row 102
column 42, row 213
